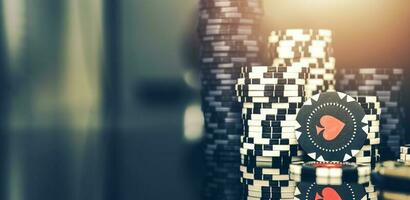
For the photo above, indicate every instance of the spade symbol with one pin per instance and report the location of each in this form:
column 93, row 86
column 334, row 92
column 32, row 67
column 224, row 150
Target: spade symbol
column 330, row 126
column 328, row 193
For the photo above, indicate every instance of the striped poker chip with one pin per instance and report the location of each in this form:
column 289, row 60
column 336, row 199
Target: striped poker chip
column 330, row 169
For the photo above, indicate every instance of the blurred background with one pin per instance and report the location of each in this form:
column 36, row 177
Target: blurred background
column 100, row 98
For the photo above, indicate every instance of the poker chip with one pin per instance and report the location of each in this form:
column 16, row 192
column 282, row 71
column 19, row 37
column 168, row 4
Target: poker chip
column 332, row 127
column 283, row 182
column 277, row 87
column 275, row 93
column 343, row 170
column 273, row 69
column 405, row 154
column 282, row 75
column 269, row 123
column 290, row 108
column 405, row 149
column 271, row 81
column 269, row 135
column 314, row 190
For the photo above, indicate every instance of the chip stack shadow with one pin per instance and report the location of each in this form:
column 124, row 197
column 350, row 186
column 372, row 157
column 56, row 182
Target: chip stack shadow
column 229, row 34
column 271, row 97
column 386, row 84
column 307, row 47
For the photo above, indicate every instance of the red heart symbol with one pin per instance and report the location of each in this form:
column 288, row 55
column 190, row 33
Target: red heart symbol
column 328, row 193
column 330, row 126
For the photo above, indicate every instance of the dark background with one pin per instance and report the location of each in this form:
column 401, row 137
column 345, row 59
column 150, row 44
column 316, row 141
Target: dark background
column 99, row 98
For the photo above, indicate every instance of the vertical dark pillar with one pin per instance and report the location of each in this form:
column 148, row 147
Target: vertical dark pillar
column 111, row 94
column 4, row 99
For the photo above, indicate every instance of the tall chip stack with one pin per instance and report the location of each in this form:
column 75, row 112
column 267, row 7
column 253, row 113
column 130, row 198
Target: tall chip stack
column 386, row 84
column 229, row 35
column 271, row 97
column 306, row 47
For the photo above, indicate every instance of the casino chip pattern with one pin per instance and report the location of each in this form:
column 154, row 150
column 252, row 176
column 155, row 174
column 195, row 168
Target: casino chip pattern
column 261, row 120
column 332, row 126
column 306, row 47
column 386, row 84
column 229, row 38
column 369, row 154
column 271, row 97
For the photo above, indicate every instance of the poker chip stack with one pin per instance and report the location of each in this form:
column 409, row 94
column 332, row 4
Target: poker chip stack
column 332, row 180
column 271, row 97
column 229, row 34
column 405, row 154
column 306, row 47
column 370, row 151
column 385, row 83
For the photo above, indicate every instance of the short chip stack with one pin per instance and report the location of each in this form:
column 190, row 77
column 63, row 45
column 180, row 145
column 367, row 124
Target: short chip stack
column 229, row 35
column 405, row 154
column 385, row 83
column 306, row 47
column 369, row 154
column 271, row 97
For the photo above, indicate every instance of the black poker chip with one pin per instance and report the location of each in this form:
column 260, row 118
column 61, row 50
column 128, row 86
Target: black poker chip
column 390, row 71
column 271, row 99
column 227, row 65
column 276, row 75
column 269, row 87
column 313, row 190
column 227, row 48
column 224, row 3
column 212, row 15
column 271, row 136
column 231, row 9
column 332, row 127
column 239, row 37
column 271, row 183
column 228, row 21
column 248, row 69
column 246, row 81
column 272, row 93
column 217, row 60
column 229, row 59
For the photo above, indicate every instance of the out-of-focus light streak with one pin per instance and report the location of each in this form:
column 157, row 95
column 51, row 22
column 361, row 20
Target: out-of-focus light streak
column 14, row 20
column 191, row 80
column 193, row 123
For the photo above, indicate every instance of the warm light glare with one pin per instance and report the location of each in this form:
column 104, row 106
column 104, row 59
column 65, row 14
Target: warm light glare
column 193, row 123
